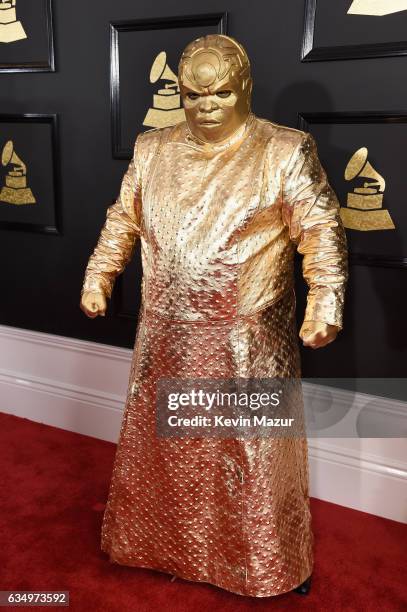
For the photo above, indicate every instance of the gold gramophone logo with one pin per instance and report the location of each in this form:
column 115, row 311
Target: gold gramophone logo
column 15, row 191
column 364, row 210
column 377, row 8
column 166, row 109
column 10, row 28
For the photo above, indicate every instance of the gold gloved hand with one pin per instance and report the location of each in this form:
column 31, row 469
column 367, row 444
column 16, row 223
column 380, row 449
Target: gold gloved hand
column 317, row 334
column 93, row 303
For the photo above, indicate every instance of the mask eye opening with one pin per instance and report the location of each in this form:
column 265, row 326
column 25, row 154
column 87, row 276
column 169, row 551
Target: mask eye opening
column 192, row 96
column 225, row 93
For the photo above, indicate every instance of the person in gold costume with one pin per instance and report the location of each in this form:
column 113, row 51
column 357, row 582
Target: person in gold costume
column 220, row 203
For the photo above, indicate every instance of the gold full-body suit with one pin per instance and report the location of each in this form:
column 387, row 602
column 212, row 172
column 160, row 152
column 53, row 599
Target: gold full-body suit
column 218, row 226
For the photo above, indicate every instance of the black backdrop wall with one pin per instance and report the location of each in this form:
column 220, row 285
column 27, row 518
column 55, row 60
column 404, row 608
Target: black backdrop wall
column 42, row 272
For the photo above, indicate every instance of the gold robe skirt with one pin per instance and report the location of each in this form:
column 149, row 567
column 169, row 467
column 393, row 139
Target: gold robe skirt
column 218, row 225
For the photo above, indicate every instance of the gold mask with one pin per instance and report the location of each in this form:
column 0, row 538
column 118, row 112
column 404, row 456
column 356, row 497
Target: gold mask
column 216, row 86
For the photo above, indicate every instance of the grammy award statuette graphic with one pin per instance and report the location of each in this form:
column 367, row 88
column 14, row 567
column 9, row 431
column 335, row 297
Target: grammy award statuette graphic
column 166, row 109
column 377, row 8
column 364, row 210
column 10, row 28
column 15, row 190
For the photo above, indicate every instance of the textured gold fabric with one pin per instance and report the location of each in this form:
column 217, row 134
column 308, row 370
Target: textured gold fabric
column 219, row 225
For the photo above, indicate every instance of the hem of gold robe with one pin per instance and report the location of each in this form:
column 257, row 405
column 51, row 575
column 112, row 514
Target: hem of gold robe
column 248, row 592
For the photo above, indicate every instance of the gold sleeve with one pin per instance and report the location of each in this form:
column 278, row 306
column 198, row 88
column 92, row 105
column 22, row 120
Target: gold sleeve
column 118, row 236
column 311, row 212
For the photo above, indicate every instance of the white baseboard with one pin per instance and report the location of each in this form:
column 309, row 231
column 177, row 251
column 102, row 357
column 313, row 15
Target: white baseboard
column 80, row 386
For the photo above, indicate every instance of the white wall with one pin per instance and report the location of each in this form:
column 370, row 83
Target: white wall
column 80, row 386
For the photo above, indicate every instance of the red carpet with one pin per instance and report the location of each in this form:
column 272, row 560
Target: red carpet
column 53, row 487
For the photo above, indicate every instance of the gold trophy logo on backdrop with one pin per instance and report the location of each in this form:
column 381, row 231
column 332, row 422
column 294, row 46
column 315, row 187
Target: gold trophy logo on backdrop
column 364, row 210
column 166, row 110
column 377, row 8
column 10, row 28
column 15, row 190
